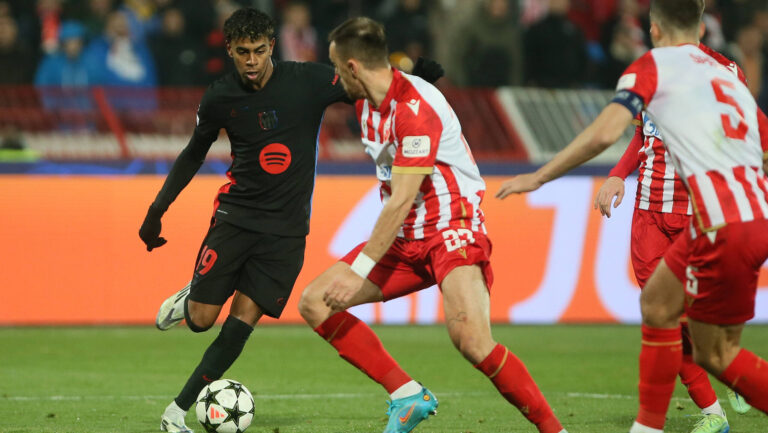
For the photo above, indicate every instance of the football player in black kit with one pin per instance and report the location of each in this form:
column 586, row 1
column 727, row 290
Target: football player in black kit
column 254, row 248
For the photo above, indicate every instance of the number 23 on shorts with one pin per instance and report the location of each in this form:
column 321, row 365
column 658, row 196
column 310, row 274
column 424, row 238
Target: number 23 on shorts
column 457, row 238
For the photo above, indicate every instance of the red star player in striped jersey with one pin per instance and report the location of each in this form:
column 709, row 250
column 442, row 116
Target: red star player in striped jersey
column 430, row 231
column 662, row 213
column 710, row 125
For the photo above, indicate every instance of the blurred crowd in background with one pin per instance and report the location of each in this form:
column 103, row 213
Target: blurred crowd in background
column 487, row 43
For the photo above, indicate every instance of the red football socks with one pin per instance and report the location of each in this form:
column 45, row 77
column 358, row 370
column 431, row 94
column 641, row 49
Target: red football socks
column 660, row 362
column 748, row 375
column 695, row 379
column 697, row 382
column 513, row 381
column 359, row 345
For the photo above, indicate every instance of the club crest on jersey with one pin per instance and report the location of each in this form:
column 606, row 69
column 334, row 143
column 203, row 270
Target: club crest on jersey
column 649, row 128
column 416, row 146
column 268, row 120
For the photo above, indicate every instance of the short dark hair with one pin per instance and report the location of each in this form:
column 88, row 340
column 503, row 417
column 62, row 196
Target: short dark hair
column 363, row 39
column 678, row 14
column 248, row 23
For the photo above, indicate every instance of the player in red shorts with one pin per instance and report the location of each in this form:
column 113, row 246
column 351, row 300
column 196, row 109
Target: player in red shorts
column 662, row 213
column 712, row 130
column 430, row 231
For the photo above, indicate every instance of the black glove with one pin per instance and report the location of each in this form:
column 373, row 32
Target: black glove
column 427, row 69
column 151, row 227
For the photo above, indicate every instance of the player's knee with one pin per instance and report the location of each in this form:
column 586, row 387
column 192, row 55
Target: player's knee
column 309, row 305
column 657, row 315
column 472, row 345
column 194, row 327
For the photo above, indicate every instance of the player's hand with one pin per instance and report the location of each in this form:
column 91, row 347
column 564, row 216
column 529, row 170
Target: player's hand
column 427, row 69
column 613, row 187
column 518, row 184
column 150, row 229
column 342, row 289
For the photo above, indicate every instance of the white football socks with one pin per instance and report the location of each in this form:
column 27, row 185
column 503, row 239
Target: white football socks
column 407, row 390
column 173, row 407
column 639, row 428
column 715, row 408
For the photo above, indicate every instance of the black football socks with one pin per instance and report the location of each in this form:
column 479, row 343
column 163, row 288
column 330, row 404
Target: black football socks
column 219, row 356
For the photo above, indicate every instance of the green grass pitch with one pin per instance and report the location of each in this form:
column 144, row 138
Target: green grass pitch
column 120, row 379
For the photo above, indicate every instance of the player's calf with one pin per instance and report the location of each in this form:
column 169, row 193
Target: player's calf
column 513, row 381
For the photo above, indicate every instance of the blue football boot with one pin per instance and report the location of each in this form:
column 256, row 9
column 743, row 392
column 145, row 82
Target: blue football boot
column 406, row 413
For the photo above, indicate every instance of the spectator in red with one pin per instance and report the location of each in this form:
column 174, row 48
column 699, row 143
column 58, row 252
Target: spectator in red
column 298, row 38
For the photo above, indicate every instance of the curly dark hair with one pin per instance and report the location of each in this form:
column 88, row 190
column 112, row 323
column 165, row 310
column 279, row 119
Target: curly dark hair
column 248, row 23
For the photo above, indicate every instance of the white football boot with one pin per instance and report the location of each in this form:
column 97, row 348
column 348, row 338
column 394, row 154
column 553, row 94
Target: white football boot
column 172, row 310
column 172, row 420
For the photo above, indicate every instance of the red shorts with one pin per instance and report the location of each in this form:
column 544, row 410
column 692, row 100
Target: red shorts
column 413, row 265
column 720, row 277
column 652, row 235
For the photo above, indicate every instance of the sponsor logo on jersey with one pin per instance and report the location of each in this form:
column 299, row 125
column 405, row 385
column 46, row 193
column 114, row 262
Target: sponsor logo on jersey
column 268, row 120
column 649, row 128
column 627, row 81
column 275, row 158
column 416, row 146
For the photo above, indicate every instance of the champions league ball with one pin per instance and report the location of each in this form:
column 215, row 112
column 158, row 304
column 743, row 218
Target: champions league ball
column 225, row 406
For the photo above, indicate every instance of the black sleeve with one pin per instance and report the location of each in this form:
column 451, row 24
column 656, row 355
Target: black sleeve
column 192, row 157
column 327, row 84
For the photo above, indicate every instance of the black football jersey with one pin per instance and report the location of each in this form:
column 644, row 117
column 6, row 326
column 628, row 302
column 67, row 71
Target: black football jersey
column 273, row 132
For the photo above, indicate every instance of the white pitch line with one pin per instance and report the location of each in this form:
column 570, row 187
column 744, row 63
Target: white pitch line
column 307, row 396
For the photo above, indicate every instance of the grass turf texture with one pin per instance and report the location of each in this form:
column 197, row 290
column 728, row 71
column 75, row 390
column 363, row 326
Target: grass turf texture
column 121, row 379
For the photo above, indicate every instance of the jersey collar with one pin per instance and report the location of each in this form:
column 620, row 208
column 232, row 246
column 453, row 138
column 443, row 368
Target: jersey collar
column 397, row 76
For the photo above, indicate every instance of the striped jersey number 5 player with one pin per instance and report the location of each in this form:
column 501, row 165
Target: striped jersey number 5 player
column 720, row 190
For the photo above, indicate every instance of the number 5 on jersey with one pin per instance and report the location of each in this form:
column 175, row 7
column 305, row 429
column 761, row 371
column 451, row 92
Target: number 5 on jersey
column 459, row 238
column 739, row 132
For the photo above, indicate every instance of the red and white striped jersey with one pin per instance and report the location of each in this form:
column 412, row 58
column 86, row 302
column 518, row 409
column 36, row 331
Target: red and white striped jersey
column 415, row 130
column 659, row 188
column 711, row 131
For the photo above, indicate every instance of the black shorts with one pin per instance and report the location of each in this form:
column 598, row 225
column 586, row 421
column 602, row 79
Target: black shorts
column 262, row 266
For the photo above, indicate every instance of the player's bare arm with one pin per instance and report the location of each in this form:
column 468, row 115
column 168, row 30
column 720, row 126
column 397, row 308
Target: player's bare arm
column 603, row 132
column 612, row 187
column 405, row 188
